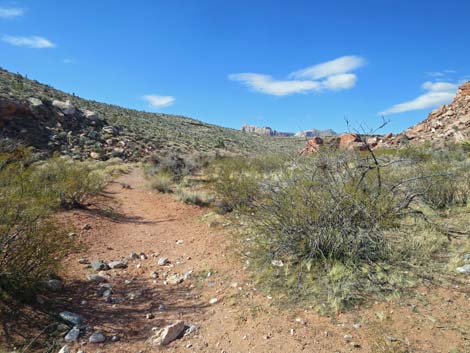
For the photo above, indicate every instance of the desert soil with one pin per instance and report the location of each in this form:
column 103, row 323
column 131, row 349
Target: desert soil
column 129, row 218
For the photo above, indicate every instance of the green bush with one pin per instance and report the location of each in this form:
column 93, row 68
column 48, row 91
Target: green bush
column 32, row 245
column 72, row 182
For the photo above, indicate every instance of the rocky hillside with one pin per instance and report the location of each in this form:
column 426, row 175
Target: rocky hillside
column 447, row 124
column 51, row 120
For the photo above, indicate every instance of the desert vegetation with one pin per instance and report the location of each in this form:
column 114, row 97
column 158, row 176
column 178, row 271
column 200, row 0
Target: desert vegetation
column 335, row 229
column 33, row 242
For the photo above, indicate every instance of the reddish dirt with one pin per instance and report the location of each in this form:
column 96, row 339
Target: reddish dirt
column 243, row 320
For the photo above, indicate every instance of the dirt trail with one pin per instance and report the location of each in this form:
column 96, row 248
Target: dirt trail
column 135, row 219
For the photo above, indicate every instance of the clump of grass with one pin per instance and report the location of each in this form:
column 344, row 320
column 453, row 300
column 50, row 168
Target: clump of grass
column 194, row 197
column 162, row 182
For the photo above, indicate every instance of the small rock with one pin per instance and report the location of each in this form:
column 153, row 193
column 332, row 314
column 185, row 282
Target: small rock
column 348, row 338
column 466, row 257
column 87, row 226
column 180, row 242
column 277, row 263
column 149, row 316
column 162, row 307
column 72, row 335
column 169, row 333
column 55, row 285
column 72, row 318
column 97, row 337
column 99, row 265
column 115, row 338
column 97, row 278
column 356, row 326
column 463, row 269
column 143, row 256
column 213, row 301
column 154, row 275
column 117, row 264
column 83, row 261
column 65, row 349
column 133, row 256
column 62, row 327
column 163, row 261
column 355, row 344
column 175, row 279
column 392, row 338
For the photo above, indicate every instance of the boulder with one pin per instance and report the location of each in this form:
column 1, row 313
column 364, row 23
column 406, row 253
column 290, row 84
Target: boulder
column 65, row 107
column 350, row 141
column 312, row 146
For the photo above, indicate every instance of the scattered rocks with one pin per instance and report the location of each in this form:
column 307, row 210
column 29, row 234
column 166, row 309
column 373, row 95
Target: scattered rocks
column 72, row 318
column 97, row 337
column 168, row 334
column 99, row 265
column 72, row 335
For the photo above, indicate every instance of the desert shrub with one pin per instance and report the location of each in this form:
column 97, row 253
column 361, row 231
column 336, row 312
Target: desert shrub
column 162, row 182
column 194, row 197
column 339, row 227
column 72, row 182
column 178, row 165
column 32, row 245
column 239, row 181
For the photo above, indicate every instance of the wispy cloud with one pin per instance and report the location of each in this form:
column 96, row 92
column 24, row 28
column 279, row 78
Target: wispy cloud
column 11, row 12
column 334, row 67
column 159, row 101
column 30, row 41
column 69, row 61
column 333, row 75
column 438, row 93
column 440, row 74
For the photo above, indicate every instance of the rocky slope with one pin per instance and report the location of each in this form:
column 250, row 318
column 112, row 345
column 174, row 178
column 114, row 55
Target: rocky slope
column 50, row 120
column 447, row 124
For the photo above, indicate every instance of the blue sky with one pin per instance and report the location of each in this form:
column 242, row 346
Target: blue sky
column 291, row 65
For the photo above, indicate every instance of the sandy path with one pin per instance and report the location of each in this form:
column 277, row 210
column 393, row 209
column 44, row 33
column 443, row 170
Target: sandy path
column 242, row 320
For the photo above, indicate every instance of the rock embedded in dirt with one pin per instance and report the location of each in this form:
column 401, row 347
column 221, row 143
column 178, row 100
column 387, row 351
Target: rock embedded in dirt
column 466, row 257
column 463, row 269
column 163, row 261
column 277, row 263
column 133, row 256
column 168, row 334
column 87, row 226
column 72, row 318
column 83, row 261
column 99, row 265
column 213, row 301
column 97, row 278
column 117, row 264
column 72, row 335
column 97, row 337
column 175, row 279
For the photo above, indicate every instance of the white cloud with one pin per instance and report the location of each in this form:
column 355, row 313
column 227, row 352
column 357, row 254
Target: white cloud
column 31, row 41
column 159, row 101
column 337, row 66
column 440, row 73
column 339, row 82
column 329, row 76
column 439, row 93
column 11, row 12
column 266, row 84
